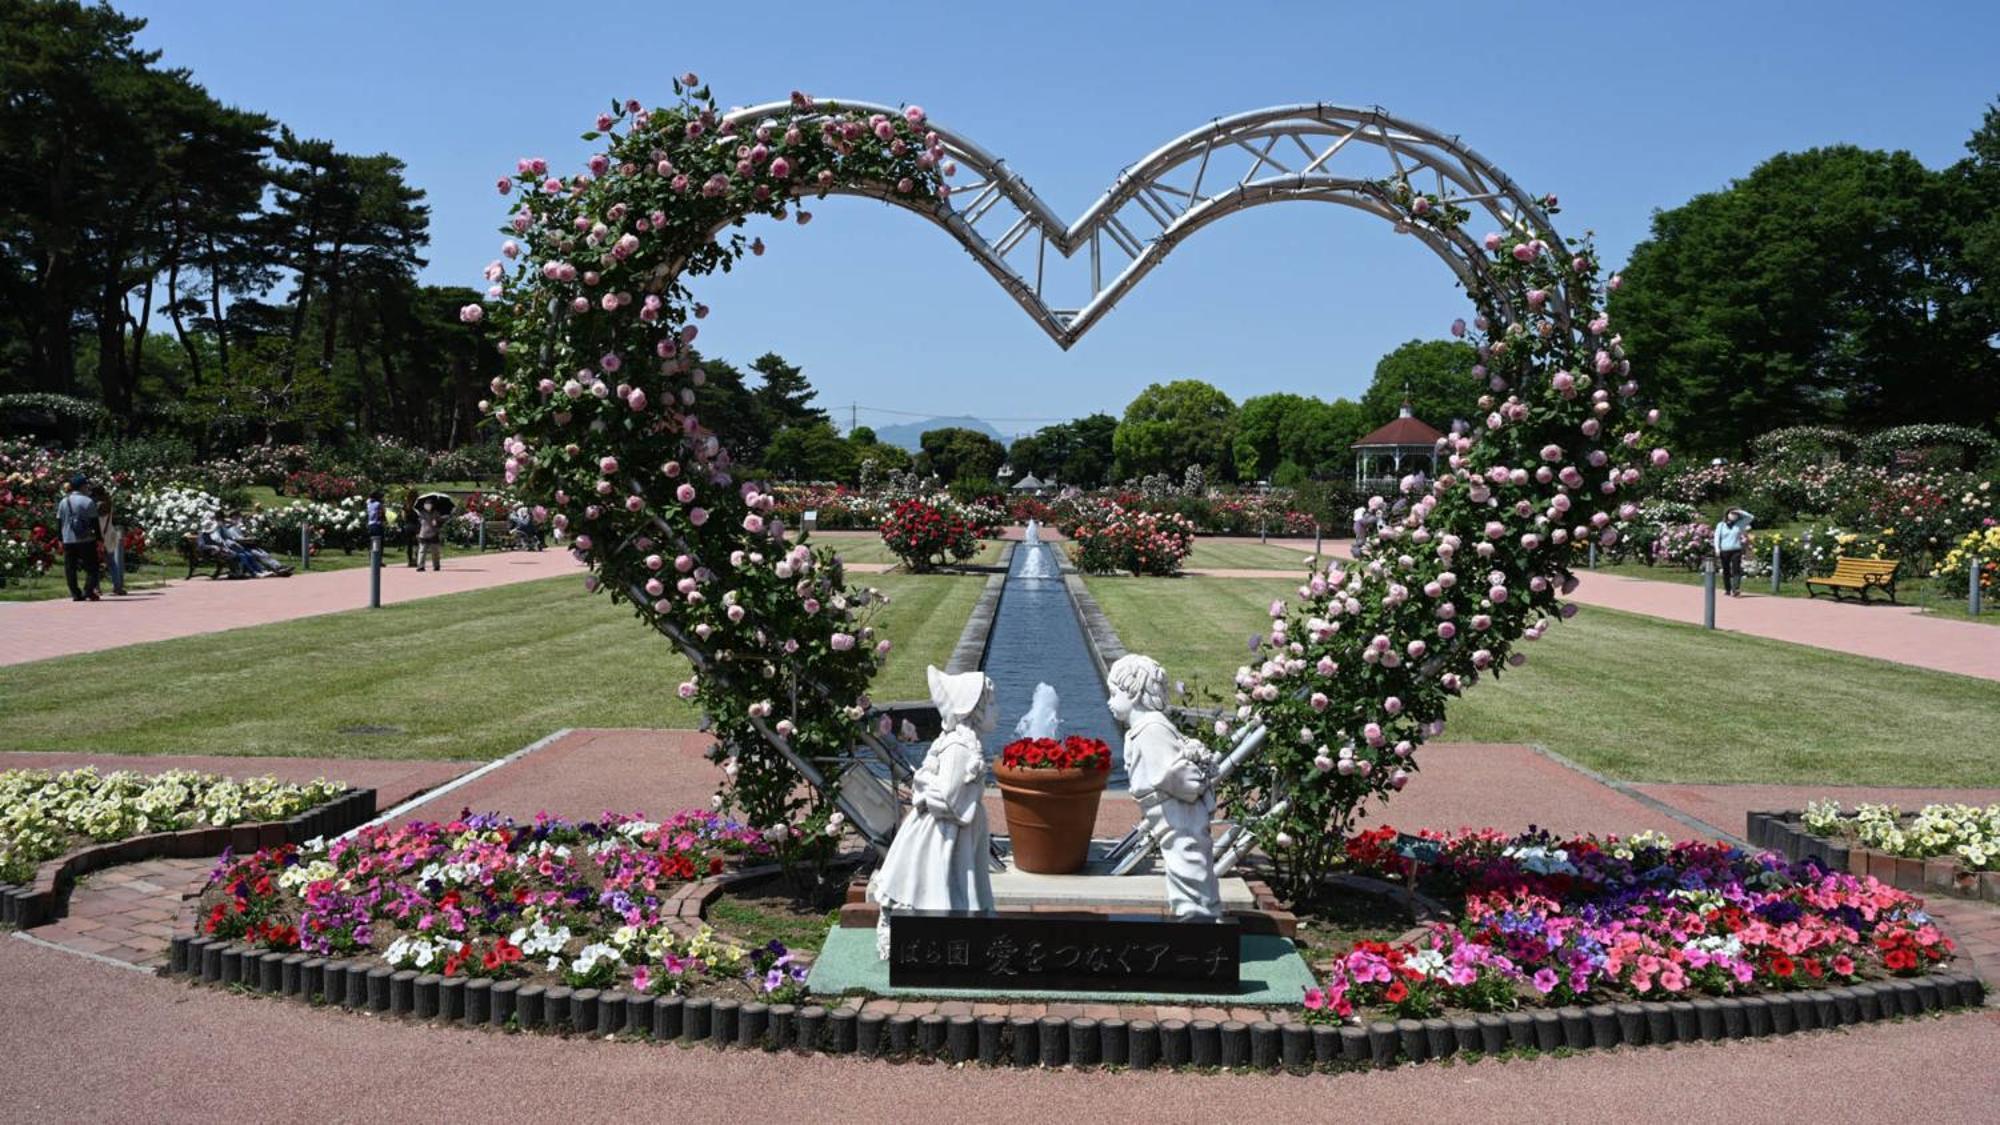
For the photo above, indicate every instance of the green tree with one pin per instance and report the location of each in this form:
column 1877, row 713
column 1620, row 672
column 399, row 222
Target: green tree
column 785, row 396
column 1170, row 426
column 1434, row 376
column 1258, row 450
column 956, row 454
column 1820, row 288
column 810, row 453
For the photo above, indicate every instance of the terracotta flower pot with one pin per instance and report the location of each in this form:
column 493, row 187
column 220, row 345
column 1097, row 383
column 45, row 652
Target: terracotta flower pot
column 1050, row 814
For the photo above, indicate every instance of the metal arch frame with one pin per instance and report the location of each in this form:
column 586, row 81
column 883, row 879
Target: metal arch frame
column 994, row 213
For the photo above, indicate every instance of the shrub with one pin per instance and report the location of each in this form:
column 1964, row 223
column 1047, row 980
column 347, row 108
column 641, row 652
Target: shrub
column 926, row 535
column 1142, row 542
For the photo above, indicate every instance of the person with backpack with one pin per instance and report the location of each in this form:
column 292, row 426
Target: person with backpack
column 76, row 519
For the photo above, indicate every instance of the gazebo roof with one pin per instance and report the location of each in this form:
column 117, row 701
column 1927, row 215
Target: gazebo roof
column 1406, row 431
column 1028, row 484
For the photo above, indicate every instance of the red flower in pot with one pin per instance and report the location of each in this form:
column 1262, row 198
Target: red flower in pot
column 1050, row 790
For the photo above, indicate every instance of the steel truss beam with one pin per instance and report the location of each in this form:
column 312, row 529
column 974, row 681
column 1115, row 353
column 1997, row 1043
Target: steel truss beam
column 1230, row 165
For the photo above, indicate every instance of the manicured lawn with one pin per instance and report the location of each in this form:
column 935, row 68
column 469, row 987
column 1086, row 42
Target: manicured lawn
column 1211, row 554
column 473, row 675
column 1639, row 698
column 867, row 547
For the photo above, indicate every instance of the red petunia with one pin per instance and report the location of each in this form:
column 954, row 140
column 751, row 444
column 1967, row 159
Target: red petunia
column 1396, row 993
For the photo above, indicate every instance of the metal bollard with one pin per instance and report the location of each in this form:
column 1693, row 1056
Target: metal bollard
column 1263, row 534
column 482, row 535
column 375, row 572
column 118, row 561
column 1777, row 559
column 1593, row 554
column 1972, row 591
column 1318, row 550
column 305, row 546
column 1708, row 594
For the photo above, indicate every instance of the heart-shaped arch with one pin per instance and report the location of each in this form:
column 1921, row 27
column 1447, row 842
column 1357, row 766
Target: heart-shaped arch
column 599, row 408
column 1284, row 153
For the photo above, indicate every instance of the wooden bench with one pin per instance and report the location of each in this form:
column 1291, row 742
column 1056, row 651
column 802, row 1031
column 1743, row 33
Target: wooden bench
column 1858, row 575
column 199, row 554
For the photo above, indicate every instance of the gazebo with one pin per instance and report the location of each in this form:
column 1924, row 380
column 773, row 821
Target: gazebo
column 1381, row 456
column 1030, row 486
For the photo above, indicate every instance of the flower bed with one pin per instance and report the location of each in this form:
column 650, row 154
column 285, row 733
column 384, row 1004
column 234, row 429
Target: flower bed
column 56, row 828
column 1550, row 922
column 1110, row 538
column 549, row 903
column 43, row 814
column 1942, row 848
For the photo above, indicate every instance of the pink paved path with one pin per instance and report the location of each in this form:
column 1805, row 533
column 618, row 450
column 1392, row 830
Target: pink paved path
column 87, row 1043
column 39, row 630
column 1897, row 633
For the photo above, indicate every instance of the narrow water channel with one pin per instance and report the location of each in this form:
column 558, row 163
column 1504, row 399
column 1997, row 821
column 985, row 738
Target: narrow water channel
column 1036, row 638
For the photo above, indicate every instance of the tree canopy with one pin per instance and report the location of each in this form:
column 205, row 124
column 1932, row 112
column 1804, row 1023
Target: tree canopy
column 1171, row 426
column 956, row 454
column 1835, row 286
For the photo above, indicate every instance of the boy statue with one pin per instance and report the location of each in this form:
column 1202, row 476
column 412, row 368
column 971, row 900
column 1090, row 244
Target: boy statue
column 1171, row 778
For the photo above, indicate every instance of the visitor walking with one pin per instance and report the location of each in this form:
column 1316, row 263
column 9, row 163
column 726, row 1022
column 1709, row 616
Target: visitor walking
column 430, row 524
column 1732, row 535
column 109, row 536
column 76, row 519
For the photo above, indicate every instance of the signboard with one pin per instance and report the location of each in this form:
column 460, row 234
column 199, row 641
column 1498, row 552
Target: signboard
column 1062, row 952
column 1416, row 849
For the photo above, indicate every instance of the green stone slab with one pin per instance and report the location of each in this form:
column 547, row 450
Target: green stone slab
column 1273, row 974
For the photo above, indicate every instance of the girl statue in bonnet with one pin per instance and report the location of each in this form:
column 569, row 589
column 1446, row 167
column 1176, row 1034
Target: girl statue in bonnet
column 938, row 860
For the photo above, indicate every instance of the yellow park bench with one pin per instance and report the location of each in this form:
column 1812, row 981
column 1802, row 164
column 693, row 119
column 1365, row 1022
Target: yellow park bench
column 1858, row 575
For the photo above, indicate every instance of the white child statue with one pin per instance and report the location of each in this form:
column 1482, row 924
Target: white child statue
column 939, row 858
column 1170, row 778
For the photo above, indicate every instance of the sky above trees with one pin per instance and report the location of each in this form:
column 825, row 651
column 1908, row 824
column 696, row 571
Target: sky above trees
column 886, row 312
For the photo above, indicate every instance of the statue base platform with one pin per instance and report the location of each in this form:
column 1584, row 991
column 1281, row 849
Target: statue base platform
column 1094, row 889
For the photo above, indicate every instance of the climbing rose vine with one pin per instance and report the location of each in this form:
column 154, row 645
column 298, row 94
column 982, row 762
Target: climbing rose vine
column 1357, row 670
column 601, row 408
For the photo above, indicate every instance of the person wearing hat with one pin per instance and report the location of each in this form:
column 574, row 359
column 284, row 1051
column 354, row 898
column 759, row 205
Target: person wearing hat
column 76, row 519
column 430, row 524
column 1732, row 536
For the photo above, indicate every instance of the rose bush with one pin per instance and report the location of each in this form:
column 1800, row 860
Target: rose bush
column 926, row 534
column 600, row 412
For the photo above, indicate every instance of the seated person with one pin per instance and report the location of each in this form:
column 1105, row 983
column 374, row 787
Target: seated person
column 215, row 537
column 522, row 523
column 255, row 559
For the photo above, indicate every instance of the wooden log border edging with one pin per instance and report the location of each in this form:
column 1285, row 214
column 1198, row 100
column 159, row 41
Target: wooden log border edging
column 1052, row 1041
column 1785, row 833
column 47, row 898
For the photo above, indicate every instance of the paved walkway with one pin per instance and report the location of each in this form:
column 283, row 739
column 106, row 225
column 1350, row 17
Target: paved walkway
column 40, row 630
column 86, row 1043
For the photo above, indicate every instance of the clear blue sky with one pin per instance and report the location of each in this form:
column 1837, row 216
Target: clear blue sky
column 1620, row 108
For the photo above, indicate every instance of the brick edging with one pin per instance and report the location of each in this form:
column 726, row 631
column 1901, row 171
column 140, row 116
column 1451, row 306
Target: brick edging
column 1784, row 832
column 47, row 897
column 1052, row 1041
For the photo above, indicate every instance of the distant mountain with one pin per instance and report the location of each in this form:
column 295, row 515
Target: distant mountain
column 909, row 435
